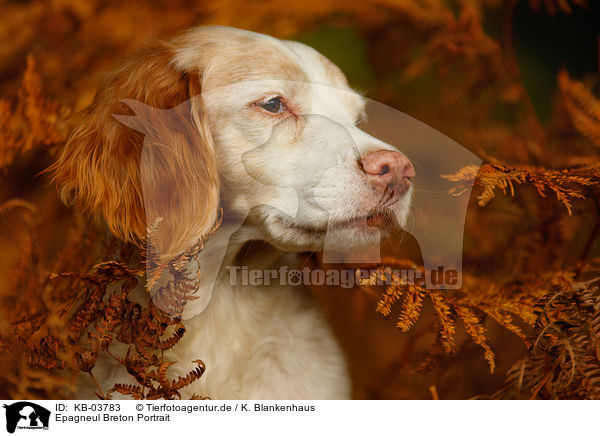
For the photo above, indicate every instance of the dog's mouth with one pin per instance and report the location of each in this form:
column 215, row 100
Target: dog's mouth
column 376, row 219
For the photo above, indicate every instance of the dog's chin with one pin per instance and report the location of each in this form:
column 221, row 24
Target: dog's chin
column 288, row 235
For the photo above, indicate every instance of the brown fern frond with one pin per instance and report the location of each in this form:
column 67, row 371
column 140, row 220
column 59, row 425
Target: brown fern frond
column 392, row 294
column 34, row 122
column 476, row 330
column 161, row 375
column 165, row 344
column 566, row 184
column 130, row 390
column 505, row 320
column 447, row 327
column 499, row 302
column 191, row 377
column 411, row 308
column 156, row 267
column 582, row 106
column 563, row 360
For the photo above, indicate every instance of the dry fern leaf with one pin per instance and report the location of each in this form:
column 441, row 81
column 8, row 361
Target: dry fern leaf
column 411, row 308
column 34, row 122
column 125, row 389
column 499, row 302
column 191, row 377
column 447, row 327
column 161, row 375
column 392, row 294
column 582, row 106
column 444, row 306
column 565, row 184
column 564, row 359
column 476, row 330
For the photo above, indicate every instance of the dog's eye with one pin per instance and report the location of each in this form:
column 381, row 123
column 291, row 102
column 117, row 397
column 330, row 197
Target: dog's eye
column 274, row 105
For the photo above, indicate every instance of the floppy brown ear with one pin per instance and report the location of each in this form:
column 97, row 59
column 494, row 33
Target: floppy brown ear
column 131, row 170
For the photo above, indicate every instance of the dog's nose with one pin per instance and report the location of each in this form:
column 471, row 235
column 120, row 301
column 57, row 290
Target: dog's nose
column 389, row 171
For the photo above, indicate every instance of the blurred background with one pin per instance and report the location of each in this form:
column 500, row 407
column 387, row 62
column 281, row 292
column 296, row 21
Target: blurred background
column 483, row 72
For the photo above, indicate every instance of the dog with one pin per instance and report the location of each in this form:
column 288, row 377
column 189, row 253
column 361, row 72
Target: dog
column 271, row 138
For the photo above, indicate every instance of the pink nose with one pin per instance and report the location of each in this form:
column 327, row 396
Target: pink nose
column 389, row 171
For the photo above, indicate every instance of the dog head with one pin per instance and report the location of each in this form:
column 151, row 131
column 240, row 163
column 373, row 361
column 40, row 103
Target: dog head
column 243, row 121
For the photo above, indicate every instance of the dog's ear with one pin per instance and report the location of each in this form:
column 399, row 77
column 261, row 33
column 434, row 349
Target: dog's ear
column 158, row 163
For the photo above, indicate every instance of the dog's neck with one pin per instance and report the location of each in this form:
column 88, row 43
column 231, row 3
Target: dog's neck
column 222, row 250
